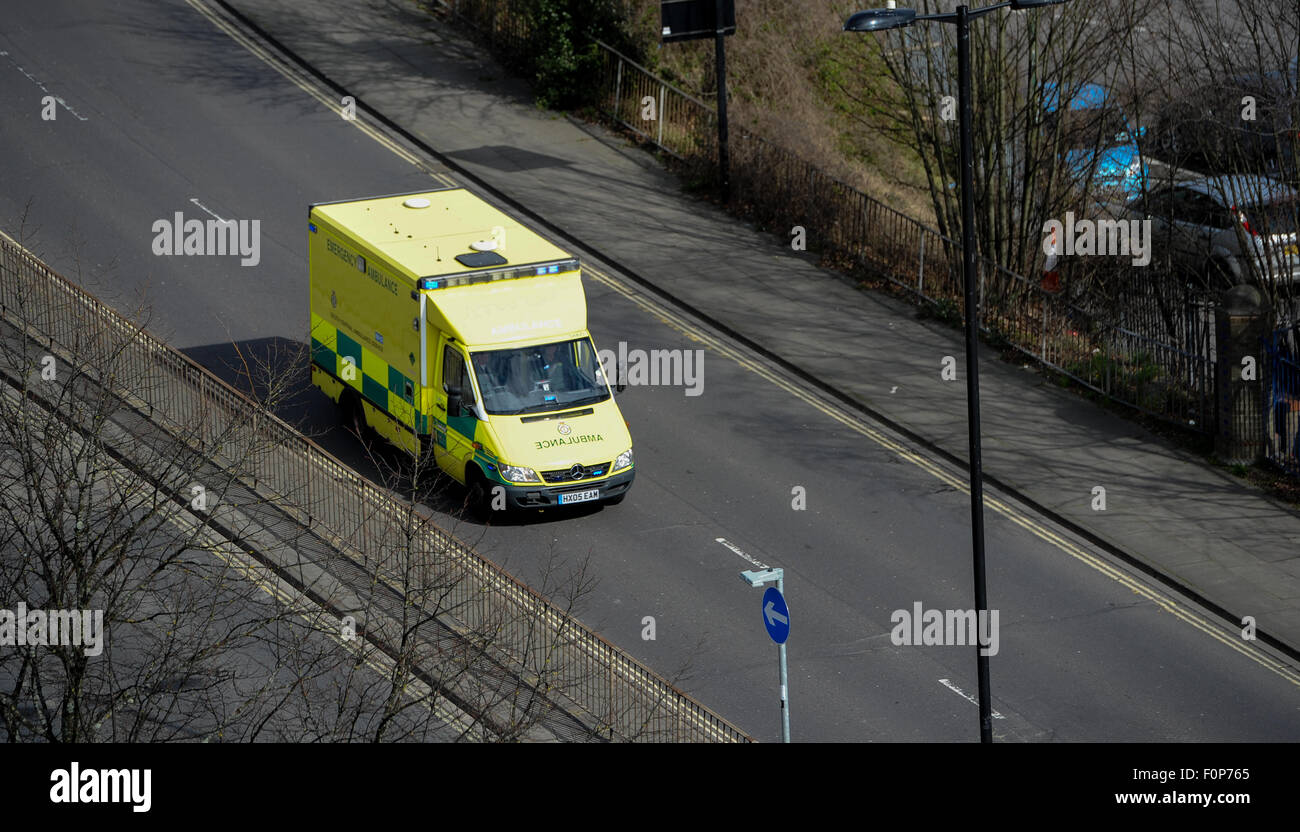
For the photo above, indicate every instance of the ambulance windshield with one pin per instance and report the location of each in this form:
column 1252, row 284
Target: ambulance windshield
column 541, row 378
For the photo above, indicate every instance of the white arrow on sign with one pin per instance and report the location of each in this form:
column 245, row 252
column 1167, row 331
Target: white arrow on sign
column 773, row 615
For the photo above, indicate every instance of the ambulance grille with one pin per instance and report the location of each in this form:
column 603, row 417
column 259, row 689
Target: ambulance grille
column 573, row 474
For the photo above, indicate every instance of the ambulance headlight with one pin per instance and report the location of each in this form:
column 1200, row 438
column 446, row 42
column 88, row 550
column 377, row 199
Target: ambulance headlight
column 518, row 473
column 624, row 460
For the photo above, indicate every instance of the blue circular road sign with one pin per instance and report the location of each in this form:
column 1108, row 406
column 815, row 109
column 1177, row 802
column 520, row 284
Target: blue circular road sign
column 776, row 616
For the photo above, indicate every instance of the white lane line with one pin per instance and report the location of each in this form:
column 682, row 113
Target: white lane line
column 44, row 89
column 207, row 211
column 733, row 547
column 964, row 695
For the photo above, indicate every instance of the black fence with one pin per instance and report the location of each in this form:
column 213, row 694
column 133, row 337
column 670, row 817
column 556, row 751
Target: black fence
column 1146, row 340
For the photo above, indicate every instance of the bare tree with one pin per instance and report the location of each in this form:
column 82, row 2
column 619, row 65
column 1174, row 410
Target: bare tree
column 458, row 633
column 128, row 497
column 137, row 617
column 1225, row 104
column 225, row 614
column 1027, row 69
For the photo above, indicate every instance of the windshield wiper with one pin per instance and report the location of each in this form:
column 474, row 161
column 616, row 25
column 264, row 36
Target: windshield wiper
column 539, row 408
column 545, row 406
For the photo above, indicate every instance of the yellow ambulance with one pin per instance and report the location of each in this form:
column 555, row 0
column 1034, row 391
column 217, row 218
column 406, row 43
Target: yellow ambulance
column 451, row 329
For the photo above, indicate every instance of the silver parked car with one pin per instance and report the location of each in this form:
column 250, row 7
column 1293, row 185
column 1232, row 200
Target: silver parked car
column 1224, row 229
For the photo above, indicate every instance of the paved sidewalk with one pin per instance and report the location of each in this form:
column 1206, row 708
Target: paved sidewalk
column 1166, row 508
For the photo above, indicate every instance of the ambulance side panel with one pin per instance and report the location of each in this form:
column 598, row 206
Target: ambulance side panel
column 365, row 333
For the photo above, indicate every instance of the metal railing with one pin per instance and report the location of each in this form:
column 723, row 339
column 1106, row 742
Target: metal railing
column 1125, row 356
column 675, row 121
column 620, row 696
column 503, row 24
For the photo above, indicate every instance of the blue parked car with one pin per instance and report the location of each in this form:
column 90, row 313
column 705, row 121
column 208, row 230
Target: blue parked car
column 1101, row 145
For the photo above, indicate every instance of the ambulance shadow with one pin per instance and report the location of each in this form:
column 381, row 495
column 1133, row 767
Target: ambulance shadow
column 393, row 469
column 447, row 496
column 274, row 372
column 542, row 516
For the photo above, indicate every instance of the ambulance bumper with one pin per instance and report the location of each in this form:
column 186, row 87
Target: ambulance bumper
column 536, row 495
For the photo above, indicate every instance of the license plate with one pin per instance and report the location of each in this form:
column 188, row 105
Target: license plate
column 578, row 497
column 1291, row 251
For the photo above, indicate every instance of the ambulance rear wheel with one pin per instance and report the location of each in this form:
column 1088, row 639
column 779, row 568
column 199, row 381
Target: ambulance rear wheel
column 352, row 415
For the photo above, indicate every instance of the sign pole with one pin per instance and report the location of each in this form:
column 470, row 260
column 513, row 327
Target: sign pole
column 776, row 618
column 785, row 697
column 724, row 160
column 690, row 20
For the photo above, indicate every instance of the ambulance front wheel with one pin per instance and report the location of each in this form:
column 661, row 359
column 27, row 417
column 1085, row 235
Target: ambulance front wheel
column 478, row 498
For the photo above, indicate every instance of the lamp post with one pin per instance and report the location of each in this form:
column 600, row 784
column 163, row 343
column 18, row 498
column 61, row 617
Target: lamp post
column 895, row 18
column 720, row 49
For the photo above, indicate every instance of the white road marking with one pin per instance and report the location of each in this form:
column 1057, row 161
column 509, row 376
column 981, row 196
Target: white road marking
column 208, row 212
column 44, row 89
column 964, row 695
column 733, row 547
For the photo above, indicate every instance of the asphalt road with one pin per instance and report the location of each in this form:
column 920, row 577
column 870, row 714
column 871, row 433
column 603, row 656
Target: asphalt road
column 160, row 110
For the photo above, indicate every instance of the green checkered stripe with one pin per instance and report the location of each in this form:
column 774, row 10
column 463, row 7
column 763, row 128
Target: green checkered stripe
column 382, row 384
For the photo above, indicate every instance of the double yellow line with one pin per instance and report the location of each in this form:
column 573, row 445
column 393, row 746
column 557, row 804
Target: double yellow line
column 310, row 86
column 841, row 415
column 854, row 423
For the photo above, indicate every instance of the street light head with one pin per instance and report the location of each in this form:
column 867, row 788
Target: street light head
column 878, row 19
column 1021, row 5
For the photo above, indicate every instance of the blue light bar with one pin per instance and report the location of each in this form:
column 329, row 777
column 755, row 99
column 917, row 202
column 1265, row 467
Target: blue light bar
column 450, row 281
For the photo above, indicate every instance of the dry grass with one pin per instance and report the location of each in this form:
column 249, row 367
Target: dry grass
column 784, row 67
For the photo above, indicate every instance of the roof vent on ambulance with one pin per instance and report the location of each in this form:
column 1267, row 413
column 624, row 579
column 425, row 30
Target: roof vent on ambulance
column 484, row 255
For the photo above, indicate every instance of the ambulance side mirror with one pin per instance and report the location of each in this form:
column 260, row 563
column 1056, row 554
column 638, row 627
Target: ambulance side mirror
column 454, row 401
